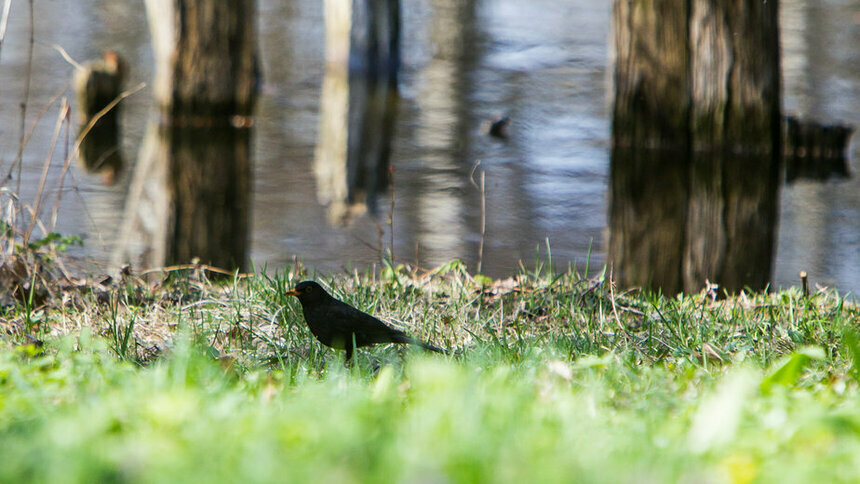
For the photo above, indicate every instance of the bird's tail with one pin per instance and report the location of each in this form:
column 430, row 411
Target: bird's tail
column 428, row 346
column 402, row 338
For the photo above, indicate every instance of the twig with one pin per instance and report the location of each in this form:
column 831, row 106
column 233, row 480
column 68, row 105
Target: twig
column 391, row 210
column 29, row 134
column 483, row 211
column 380, row 247
column 67, row 57
column 103, row 111
column 37, row 204
column 614, row 308
column 10, row 217
column 29, row 71
column 63, row 172
column 612, row 300
column 184, row 267
column 804, row 280
column 3, row 20
column 86, row 130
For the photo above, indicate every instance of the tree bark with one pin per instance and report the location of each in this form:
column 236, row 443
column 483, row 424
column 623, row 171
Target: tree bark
column 205, row 86
column 206, row 58
column 696, row 143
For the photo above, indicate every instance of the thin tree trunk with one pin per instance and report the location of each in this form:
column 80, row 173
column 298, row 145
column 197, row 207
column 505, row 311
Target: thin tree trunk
column 358, row 106
column 98, row 84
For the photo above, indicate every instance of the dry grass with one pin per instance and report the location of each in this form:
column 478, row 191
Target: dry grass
column 246, row 319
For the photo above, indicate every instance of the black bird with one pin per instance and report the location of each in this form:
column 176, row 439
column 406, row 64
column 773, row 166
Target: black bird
column 339, row 325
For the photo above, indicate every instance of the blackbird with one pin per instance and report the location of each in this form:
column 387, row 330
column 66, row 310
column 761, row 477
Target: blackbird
column 339, row 325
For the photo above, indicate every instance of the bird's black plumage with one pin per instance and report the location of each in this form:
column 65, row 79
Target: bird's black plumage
column 339, row 325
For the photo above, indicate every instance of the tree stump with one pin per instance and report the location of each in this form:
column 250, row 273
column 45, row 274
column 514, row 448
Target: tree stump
column 98, row 83
column 815, row 150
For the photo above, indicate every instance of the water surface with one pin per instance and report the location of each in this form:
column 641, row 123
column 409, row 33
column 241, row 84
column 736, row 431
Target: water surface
column 545, row 63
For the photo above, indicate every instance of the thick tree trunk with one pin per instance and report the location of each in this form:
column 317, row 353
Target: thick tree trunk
column 211, row 186
column 652, row 80
column 205, row 86
column 206, row 58
column 697, row 143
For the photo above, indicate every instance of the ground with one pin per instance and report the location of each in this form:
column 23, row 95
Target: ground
column 553, row 376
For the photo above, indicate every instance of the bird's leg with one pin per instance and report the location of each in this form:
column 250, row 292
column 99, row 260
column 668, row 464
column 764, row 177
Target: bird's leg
column 350, row 346
column 347, row 360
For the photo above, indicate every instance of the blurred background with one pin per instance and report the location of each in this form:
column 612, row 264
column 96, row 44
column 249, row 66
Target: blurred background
column 545, row 64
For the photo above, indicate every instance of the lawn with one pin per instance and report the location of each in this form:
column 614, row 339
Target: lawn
column 552, row 377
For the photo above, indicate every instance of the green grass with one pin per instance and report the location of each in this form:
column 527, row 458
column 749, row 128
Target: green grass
column 553, row 378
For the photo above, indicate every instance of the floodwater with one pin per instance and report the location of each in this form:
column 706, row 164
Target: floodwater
column 545, row 63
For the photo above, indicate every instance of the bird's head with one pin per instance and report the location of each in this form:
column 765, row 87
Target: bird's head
column 308, row 292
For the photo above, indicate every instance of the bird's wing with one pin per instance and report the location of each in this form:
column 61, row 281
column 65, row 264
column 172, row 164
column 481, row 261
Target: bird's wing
column 367, row 329
column 337, row 323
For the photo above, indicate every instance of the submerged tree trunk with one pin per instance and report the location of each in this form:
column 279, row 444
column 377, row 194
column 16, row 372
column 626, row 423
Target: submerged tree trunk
column 206, row 59
column 358, row 105
column 98, row 84
column 696, row 143
column 815, row 150
column 205, row 86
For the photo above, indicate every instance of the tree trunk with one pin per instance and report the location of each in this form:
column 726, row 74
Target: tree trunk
column 98, row 83
column 205, row 85
column 815, row 150
column 696, row 144
column 206, row 67
column 358, row 106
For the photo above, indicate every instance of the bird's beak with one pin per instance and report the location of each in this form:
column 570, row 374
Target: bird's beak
column 291, row 292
